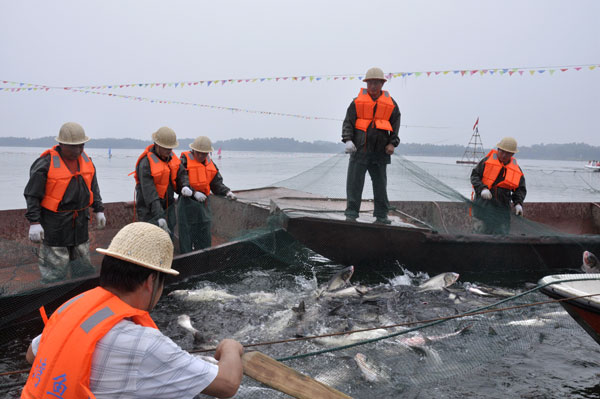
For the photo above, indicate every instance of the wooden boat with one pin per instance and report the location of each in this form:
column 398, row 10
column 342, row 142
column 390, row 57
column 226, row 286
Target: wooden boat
column 411, row 241
column 22, row 293
column 584, row 308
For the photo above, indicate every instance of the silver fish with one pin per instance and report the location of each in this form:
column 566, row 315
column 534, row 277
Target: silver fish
column 439, row 282
column 420, row 340
column 341, row 279
column 369, row 371
column 590, row 263
column 185, row 322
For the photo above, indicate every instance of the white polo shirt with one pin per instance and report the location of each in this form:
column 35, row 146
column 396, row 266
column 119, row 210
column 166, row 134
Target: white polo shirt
column 132, row 361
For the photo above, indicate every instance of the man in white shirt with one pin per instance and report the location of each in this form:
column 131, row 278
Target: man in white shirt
column 103, row 342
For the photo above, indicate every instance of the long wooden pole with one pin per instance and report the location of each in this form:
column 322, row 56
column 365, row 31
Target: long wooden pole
column 277, row 375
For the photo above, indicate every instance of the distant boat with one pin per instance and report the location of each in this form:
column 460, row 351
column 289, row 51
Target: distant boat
column 109, row 153
column 219, row 153
column 474, row 151
column 594, row 165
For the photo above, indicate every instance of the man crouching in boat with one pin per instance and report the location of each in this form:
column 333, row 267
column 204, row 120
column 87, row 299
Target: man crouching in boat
column 104, row 344
column 62, row 186
column 497, row 180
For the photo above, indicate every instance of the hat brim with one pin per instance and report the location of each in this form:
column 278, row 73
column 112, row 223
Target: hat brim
column 512, row 152
column 205, row 152
column 162, row 145
column 365, row 79
column 137, row 262
column 85, row 140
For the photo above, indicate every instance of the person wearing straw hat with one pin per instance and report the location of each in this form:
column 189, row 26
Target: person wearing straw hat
column 158, row 177
column 498, row 181
column 194, row 214
column 104, row 344
column 370, row 131
column 62, row 187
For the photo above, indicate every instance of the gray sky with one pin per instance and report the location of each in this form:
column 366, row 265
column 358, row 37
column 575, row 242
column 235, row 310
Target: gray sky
column 93, row 43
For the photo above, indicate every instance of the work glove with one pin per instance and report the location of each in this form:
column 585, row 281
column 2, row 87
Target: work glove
column 162, row 223
column 186, row 192
column 101, row 220
column 350, row 147
column 230, row 195
column 36, row 233
column 486, row 194
column 518, row 210
column 200, row 197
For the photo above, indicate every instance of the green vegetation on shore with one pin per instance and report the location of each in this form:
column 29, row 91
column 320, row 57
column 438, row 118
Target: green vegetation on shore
column 571, row 151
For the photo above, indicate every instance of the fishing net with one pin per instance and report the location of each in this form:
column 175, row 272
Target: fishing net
column 265, row 289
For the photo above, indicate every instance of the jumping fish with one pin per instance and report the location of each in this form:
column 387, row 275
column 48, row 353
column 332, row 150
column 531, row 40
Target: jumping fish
column 341, row 279
column 369, row 371
column 591, row 264
column 206, row 294
column 439, row 282
column 184, row 322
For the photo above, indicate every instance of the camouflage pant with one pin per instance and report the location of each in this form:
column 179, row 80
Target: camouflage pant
column 56, row 262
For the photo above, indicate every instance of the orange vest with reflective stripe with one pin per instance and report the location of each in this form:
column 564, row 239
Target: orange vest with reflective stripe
column 63, row 362
column 200, row 175
column 59, row 177
column 162, row 172
column 364, row 111
column 493, row 167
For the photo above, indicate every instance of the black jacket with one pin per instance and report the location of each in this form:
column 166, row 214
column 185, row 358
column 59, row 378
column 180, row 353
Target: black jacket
column 500, row 196
column 371, row 146
column 149, row 206
column 69, row 225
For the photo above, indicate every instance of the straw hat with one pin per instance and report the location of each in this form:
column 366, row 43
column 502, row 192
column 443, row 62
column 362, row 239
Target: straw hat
column 72, row 133
column 508, row 144
column 165, row 137
column 202, row 144
column 375, row 73
column 144, row 244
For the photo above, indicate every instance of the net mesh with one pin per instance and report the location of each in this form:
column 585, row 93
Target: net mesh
column 265, row 287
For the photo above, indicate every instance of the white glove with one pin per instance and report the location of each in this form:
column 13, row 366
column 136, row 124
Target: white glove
column 186, row 192
column 36, row 232
column 162, row 223
column 101, row 220
column 350, row 147
column 518, row 210
column 230, row 195
column 200, row 197
column 486, row 194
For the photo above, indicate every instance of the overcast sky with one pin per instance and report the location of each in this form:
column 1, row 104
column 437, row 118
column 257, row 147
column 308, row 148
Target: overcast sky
column 100, row 43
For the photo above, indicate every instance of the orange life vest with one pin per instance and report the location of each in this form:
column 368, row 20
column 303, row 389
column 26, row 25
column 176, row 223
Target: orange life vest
column 200, row 175
column 162, row 172
column 364, row 111
column 63, row 361
column 59, row 177
column 492, row 168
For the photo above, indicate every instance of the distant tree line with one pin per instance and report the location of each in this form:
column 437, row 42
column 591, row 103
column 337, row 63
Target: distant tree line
column 571, row 151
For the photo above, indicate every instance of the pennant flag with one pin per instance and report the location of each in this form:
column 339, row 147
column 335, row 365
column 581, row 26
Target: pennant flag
column 476, row 124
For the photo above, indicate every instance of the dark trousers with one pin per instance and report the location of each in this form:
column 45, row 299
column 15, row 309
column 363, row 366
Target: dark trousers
column 355, row 182
column 194, row 224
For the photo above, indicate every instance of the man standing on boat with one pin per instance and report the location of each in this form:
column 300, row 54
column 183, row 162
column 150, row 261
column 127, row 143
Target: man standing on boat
column 104, row 344
column 158, row 177
column 194, row 216
column 370, row 131
column 62, row 186
column 498, row 180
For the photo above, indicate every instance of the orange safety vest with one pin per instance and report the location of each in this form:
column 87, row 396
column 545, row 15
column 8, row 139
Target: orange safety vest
column 493, row 167
column 364, row 111
column 162, row 172
column 63, row 362
column 200, row 175
column 59, row 177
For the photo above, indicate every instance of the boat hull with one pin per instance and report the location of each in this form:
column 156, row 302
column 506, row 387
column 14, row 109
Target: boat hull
column 584, row 309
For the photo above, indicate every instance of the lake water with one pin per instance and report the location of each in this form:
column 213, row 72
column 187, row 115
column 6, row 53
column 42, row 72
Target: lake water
column 324, row 174
column 537, row 352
